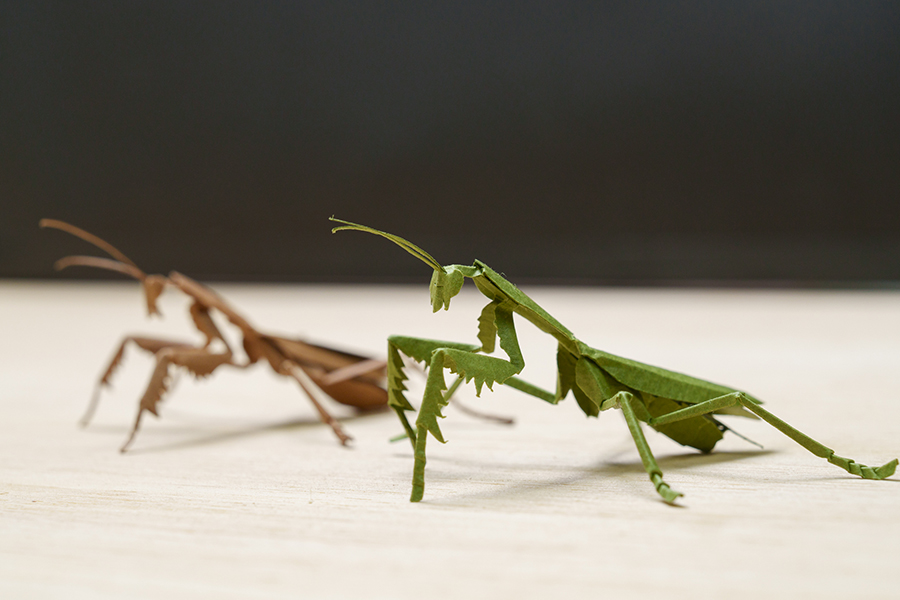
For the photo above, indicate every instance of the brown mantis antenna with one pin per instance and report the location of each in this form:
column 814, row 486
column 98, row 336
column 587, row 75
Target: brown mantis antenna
column 99, row 263
column 153, row 284
column 89, row 238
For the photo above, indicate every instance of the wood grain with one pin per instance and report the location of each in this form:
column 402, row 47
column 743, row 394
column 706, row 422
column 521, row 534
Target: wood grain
column 239, row 492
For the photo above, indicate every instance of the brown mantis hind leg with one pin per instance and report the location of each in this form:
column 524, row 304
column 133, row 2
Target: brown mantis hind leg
column 820, row 450
column 626, row 402
column 199, row 361
column 308, row 386
column 151, row 345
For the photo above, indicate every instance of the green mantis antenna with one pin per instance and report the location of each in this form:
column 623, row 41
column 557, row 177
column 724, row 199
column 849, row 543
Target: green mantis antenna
column 408, row 246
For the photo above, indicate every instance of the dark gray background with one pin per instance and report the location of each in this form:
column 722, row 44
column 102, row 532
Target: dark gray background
column 564, row 142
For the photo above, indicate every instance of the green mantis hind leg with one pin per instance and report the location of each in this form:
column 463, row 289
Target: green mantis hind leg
column 820, row 450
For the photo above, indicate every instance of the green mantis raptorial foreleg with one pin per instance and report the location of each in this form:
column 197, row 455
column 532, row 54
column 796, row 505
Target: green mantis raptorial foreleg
column 678, row 406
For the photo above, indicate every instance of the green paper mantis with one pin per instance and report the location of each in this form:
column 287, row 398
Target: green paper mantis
column 676, row 405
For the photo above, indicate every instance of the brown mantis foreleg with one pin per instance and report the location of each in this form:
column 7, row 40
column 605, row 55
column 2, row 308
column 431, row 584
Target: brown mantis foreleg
column 820, row 450
column 201, row 362
column 151, row 345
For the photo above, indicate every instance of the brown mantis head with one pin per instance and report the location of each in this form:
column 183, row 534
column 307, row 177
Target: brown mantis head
column 153, row 285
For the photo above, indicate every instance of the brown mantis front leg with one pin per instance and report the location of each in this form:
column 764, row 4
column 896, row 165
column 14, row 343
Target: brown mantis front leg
column 151, row 345
column 199, row 361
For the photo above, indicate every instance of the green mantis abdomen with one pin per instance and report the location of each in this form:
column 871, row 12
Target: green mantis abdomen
column 590, row 384
column 701, row 432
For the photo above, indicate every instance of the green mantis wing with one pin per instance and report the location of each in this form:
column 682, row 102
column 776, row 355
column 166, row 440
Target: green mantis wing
column 592, row 385
column 656, row 380
column 663, row 392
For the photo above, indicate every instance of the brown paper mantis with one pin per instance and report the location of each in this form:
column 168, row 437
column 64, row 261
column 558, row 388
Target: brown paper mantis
column 347, row 378
column 677, row 405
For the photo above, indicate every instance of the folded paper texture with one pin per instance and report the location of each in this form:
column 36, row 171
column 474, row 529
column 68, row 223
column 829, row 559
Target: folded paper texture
column 682, row 407
column 321, row 372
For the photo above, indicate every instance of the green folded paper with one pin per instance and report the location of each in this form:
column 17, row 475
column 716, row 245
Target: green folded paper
column 677, row 405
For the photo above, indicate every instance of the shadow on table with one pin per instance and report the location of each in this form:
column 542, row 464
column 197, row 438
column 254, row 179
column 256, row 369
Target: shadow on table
column 676, row 462
column 607, row 470
column 221, row 437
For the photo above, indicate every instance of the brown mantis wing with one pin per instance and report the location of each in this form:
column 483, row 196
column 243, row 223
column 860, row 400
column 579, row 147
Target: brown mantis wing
column 348, row 378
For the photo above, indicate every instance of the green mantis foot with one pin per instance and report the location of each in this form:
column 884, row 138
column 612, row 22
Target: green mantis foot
column 854, row 468
column 662, row 488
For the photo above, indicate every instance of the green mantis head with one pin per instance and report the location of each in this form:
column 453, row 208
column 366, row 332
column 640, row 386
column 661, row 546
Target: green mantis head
column 445, row 282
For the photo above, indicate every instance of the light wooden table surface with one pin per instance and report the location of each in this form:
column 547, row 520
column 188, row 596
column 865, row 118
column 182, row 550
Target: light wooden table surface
column 238, row 492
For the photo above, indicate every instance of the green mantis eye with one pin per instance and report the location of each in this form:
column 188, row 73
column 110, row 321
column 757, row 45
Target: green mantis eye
column 444, row 285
